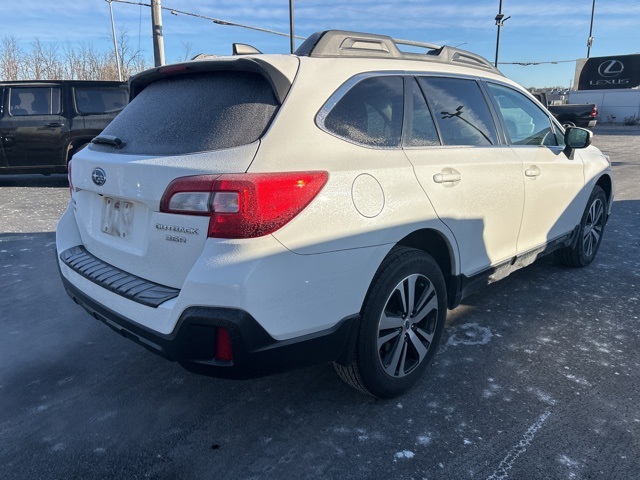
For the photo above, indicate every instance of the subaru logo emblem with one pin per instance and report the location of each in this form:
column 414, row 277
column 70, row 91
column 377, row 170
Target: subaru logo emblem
column 98, row 176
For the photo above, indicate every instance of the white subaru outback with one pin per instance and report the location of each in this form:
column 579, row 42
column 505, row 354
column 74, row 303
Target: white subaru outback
column 251, row 214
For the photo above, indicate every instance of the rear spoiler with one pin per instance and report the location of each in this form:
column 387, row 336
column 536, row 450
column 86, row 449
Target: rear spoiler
column 279, row 72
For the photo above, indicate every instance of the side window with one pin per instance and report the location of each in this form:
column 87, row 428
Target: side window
column 34, row 101
column 526, row 123
column 421, row 131
column 96, row 100
column 460, row 111
column 370, row 113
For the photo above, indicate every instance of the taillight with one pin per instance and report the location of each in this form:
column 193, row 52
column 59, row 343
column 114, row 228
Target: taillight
column 245, row 205
column 223, row 345
column 173, row 69
column 594, row 112
column 69, row 178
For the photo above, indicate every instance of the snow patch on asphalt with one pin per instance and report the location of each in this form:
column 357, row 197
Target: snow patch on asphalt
column 492, row 390
column 578, row 380
column 542, row 396
column 66, row 380
column 470, row 334
column 518, row 449
column 570, row 464
column 404, row 454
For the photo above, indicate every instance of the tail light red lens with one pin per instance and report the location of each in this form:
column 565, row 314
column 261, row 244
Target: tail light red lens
column 69, row 178
column 223, row 345
column 244, row 205
column 594, row 112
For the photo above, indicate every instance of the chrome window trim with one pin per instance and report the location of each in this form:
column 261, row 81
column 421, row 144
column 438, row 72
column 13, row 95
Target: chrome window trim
column 353, row 81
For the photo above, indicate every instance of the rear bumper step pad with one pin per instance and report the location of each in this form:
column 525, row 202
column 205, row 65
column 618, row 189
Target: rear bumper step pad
column 115, row 280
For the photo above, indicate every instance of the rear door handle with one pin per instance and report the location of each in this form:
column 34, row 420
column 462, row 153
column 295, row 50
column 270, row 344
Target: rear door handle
column 54, row 124
column 532, row 171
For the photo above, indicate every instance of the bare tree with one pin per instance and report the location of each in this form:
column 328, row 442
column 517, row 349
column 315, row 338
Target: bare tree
column 186, row 51
column 71, row 62
column 131, row 60
column 11, row 59
column 43, row 62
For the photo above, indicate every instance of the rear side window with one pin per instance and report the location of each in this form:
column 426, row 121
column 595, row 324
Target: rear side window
column 460, row 110
column 370, row 113
column 99, row 100
column 25, row 101
column 195, row 113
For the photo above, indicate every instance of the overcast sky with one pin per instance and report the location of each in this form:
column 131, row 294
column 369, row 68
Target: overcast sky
column 538, row 30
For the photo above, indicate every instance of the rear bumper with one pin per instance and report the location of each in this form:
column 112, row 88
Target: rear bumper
column 255, row 352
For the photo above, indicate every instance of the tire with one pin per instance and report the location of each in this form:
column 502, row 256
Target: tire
column 568, row 123
column 403, row 317
column 585, row 248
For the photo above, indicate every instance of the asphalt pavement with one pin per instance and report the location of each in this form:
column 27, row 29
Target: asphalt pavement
column 537, row 377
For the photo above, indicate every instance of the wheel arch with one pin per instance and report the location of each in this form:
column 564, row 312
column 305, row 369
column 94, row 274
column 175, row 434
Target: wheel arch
column 74, row 145
column 606, row 184
column 564, row 117
column 437, row 245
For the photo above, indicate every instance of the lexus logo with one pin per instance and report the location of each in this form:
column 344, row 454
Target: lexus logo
column 98, row 176
column 611, row 68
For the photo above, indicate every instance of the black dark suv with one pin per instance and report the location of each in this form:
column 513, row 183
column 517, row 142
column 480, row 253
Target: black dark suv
column 43, row 123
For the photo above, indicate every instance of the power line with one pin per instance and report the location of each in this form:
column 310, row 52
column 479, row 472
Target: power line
column 366, row 12
column 217, row 21
column 526, row 64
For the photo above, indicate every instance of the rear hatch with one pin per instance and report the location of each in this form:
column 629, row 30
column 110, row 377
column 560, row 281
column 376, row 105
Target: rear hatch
column 200, row 118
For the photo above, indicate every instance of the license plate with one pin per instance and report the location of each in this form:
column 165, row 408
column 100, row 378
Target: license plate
column 117, row 217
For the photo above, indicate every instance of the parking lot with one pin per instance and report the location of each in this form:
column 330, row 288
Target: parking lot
column 538, row 376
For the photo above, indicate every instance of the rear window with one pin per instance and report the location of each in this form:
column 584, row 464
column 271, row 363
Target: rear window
column 195, row 113
column 99, row 100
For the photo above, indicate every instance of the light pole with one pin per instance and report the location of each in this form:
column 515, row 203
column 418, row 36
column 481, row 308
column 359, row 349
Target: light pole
column 115, row 42
column 156, row 31
column 292, row 37
column 590, row 39
column 499, row 22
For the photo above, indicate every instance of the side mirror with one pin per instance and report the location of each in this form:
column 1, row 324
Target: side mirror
column 575, row 138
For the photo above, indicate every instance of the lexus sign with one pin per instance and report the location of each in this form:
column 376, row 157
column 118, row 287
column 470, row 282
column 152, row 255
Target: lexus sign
column 608, row 72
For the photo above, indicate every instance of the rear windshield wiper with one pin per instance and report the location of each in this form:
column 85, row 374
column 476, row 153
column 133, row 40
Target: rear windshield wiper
column 110, row 140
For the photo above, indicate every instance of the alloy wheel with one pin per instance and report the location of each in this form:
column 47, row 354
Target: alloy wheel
column 593, row 227
column 407, row 325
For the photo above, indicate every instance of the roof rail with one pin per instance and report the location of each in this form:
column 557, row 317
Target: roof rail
column 340, row 43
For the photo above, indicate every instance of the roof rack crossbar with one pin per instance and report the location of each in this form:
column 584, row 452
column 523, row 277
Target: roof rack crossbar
column 429, row 46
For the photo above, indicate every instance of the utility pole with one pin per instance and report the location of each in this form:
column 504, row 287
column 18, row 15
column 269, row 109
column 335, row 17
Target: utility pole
column 590, row 39
column 499, row 22
column 156, row 25
column 115, row 42
column 291, row 30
